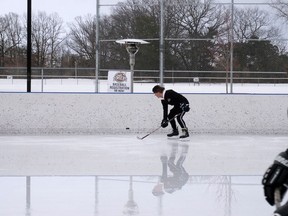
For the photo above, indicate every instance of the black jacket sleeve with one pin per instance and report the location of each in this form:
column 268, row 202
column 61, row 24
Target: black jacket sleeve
column 165, row 109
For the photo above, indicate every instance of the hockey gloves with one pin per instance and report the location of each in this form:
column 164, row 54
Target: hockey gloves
column 185, row 107
column 276, row 177
column 164, row 123
column 282, row 210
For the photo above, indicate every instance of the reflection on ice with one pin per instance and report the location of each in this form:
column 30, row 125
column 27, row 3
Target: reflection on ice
column 120, row 175
column 106, row 195
column 179, row 178
column 131, row 207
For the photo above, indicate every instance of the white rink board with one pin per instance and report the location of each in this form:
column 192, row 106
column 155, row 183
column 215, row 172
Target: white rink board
column 58, row 113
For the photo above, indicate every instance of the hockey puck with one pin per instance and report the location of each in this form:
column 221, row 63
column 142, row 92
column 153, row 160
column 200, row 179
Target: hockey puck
column 127, row 128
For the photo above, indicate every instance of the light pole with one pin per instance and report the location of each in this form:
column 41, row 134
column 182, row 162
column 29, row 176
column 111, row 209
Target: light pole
column 132, row 47
column 231, row 46
column 97, row 61
column 29, row 44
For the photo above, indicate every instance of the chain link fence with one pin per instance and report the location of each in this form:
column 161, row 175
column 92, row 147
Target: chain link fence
column 71, row 79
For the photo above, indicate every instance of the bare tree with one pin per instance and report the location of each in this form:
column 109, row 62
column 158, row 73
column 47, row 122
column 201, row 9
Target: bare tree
column 251, row 22
column 128, row 20
column 136, row 19
column 82, row 38
column 253, row 30
column 47, row 36
column 3, row 27
column 56, row 38
column 11, row 35
column 199, row 23
column 282, row 8
column 198, row 34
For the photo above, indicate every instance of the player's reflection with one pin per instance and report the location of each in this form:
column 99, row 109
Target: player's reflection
column 179, row 177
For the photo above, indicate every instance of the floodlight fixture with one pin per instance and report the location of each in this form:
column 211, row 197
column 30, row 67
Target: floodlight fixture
column 132, row 47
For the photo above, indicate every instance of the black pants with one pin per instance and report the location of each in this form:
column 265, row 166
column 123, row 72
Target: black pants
column 174, row 111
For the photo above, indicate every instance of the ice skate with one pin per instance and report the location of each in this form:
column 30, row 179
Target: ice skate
column 175, row 132
column 185, row 133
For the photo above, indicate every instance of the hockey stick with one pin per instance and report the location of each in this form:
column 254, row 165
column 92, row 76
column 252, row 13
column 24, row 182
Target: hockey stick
column 277, row 198
column 141, row 138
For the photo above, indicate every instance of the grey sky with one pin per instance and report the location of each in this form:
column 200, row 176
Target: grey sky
column 67, row 9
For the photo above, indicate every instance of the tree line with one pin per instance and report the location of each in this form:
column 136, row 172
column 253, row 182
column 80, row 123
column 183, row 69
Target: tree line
column 197, row 38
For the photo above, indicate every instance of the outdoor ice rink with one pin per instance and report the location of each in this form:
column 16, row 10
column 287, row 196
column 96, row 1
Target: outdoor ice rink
column 107, row 174
column 100, row 175
column 78, row 88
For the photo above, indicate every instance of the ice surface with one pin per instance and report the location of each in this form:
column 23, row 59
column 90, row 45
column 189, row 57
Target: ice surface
column 119, row 195
column 127, row 155
column 107, row 175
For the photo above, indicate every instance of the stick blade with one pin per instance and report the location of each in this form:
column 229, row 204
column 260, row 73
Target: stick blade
column 141, row 138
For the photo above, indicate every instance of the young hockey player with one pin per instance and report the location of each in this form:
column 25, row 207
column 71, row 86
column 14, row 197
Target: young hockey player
column 181, row 106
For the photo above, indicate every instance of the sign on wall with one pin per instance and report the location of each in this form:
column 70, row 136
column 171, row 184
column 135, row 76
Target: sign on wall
column 119, row 81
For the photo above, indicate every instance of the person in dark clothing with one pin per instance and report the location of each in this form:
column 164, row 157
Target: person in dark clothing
column 181, row 106
column 275, row 182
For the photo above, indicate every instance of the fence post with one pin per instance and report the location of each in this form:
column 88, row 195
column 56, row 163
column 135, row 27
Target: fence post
column 42, row 77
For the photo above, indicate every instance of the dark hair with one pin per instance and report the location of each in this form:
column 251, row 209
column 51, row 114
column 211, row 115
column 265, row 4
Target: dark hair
column 157, row 89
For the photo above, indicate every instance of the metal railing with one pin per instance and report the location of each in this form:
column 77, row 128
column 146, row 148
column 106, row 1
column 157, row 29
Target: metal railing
column 145, row 76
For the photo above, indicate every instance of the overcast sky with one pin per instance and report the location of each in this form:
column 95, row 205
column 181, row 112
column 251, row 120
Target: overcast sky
column 67, row 9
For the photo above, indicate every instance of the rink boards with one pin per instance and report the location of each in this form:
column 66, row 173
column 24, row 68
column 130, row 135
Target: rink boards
column 58, row 113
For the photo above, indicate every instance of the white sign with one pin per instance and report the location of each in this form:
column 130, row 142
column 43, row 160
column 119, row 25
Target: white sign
column 119, row 81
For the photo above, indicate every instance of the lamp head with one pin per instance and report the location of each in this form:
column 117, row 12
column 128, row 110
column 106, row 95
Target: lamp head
column 132, row 45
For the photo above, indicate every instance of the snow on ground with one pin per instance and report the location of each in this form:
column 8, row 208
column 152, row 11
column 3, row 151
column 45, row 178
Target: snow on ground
column 86, row 85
